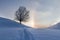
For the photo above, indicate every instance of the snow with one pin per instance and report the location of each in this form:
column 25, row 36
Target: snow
column 11, row 30
column 45, row 34
column 56, row 26
column 9, row 23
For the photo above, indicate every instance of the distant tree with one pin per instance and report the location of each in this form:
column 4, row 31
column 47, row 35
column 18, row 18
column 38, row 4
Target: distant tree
column 22, row 14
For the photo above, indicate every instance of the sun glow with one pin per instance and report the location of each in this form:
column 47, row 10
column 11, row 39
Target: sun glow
column 30, row 23
column 31, row 19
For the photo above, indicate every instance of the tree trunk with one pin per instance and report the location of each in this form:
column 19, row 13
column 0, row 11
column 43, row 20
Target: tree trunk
column 20, row 22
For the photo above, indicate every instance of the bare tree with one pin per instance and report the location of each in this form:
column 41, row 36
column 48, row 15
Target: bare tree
column 22, row 14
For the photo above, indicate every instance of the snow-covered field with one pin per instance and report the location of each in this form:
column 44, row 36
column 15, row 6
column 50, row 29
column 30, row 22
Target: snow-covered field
column 45, row 34
column 11, row 30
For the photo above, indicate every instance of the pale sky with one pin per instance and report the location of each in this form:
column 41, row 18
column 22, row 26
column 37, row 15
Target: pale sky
column 44, row 12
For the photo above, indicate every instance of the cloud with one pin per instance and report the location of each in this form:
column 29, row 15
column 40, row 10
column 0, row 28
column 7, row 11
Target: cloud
column 45, row 11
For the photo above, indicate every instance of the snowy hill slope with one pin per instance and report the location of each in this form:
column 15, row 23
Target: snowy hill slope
column 9, row 23
column 45, row 34
column 11, row 30
column 56, row 26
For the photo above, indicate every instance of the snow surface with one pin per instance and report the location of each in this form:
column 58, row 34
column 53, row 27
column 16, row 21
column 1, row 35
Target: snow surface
column 9, row 23
column 11, row 30
column 45, row 34
column 56, row 26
